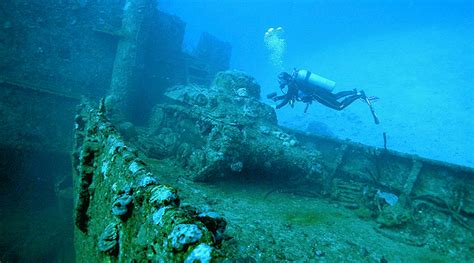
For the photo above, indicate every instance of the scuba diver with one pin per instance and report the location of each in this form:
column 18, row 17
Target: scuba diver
column 306, row 86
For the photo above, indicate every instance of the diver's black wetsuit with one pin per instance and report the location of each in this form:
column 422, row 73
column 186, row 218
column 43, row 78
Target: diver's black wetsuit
column 319, row 94
column 331, row 100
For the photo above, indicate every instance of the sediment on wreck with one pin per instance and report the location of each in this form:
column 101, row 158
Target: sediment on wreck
column 122, row 212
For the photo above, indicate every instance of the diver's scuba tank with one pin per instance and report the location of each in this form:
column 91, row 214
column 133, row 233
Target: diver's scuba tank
column 306, row 78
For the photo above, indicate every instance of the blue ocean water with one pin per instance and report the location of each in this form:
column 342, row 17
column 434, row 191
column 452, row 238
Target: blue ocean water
column 416, row 56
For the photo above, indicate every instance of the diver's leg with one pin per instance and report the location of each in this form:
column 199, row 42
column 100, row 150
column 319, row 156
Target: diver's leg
column 328, row 100
column 345, row 93
column 347, row 101
column 331, row 102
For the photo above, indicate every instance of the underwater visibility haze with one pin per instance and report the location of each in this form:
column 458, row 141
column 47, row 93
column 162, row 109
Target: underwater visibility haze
column 249, row 131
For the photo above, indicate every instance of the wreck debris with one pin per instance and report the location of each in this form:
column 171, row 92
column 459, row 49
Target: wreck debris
column 430, row 202
column 410, row 182
column 391, row 216
column 348, row 193
column 218, row 139
column 341, row 152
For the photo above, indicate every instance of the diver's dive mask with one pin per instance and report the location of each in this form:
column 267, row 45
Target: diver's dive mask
column 283, row 79
column 284, row 76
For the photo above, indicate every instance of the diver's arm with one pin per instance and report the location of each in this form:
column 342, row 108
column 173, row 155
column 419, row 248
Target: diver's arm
column 284, row 97
column 284, row 102
column 291, row 94
column 277, row 98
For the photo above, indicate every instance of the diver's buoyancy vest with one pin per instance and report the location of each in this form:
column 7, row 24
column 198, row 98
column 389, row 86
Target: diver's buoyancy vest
column 305, row 78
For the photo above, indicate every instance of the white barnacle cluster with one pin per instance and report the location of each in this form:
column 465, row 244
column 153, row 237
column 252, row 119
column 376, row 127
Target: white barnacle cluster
column 108, row 240
column 163, row 195
column 276, row 46
column 157, row 216
column 136, row 166
column 184, row 235
column 202, row 253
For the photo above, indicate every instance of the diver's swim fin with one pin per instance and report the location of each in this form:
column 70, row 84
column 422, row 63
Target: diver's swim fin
column 369, row 103
column 376, row 119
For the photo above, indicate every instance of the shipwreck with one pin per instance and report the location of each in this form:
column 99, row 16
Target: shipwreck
column 176, row 158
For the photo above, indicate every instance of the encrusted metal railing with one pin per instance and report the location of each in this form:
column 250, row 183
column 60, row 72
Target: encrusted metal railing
column 122, row 212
